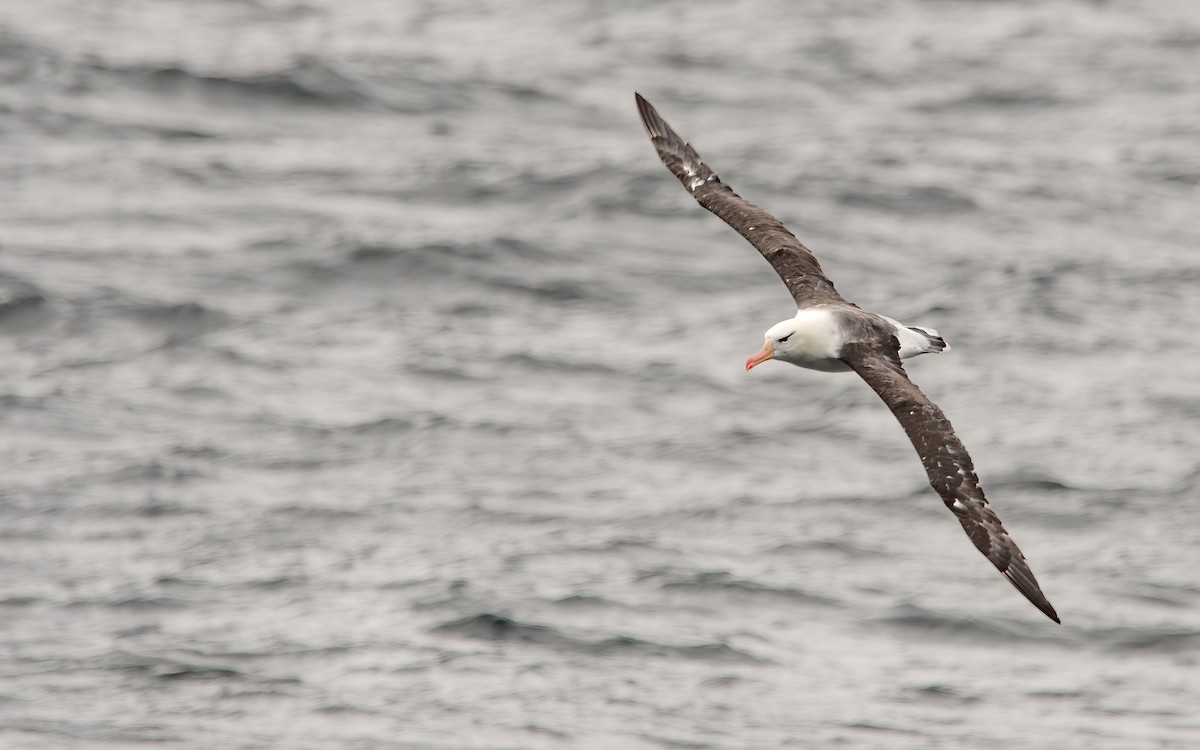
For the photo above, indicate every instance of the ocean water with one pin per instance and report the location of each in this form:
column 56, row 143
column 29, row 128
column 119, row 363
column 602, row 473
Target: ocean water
column 368, row 383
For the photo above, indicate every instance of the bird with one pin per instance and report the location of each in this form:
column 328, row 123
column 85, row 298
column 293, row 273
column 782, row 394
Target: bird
column 830, row 334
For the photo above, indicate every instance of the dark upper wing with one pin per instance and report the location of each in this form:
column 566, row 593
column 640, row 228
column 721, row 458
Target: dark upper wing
column 794, row 262
column 946, row 463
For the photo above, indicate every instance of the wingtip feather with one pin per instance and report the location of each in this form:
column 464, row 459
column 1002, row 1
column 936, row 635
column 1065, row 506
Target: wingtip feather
column 1029, row 588
column 656, row 126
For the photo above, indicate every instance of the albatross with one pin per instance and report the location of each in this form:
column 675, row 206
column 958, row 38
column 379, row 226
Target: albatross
column 830, row 334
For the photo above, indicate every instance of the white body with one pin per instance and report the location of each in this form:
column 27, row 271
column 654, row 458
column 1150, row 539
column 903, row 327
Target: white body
column 815, row 337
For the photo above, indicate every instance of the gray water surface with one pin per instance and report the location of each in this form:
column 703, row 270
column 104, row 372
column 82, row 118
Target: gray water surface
column 368, row 383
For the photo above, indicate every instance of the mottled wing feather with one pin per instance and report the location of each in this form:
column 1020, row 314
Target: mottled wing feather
column 794, row 262
column 946, row 463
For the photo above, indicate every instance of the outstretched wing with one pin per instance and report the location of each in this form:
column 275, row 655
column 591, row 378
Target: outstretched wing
column 946, row 463
column 794, row 262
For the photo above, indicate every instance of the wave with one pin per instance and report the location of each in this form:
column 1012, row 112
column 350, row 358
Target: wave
column 42, row 119
column 387, row 426
column 1166, row 639
column 718, row 581
column 105, row 732
column 17, row 294
column 409, row 424
column 175, row 667
column 63, row 81
column 498, row 266
column 136, row 603
column 943, row 625
column 152, row 471
column 541, row 363
column 1176, row 175
column 306, row 81
column 1187, row 484
column 1033, row 480
column 937, row 693
column 989, row 97
column 21, row 60
column 490, row 627
column 20, row 601
column 908, row 199
column 385, row 262
column 180, row 322
column 22, row 305
column 403, row 85
column 837, row 546
column 583, row 601
column 551, row 290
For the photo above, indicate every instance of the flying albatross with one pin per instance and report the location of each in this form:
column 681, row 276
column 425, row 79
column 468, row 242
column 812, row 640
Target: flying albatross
column 832, row 335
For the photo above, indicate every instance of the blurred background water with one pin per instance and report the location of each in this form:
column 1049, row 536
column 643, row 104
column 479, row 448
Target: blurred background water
column 368, row 383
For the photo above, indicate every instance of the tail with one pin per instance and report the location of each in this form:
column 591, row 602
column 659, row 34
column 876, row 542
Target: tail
column 935, row 343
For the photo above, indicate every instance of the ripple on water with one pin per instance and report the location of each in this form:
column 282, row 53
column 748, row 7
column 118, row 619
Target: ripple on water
column 491, row 627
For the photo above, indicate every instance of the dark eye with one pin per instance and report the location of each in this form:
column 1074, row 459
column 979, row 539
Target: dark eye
column 785, row 338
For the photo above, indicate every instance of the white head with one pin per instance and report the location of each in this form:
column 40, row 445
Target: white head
column 777, row 343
